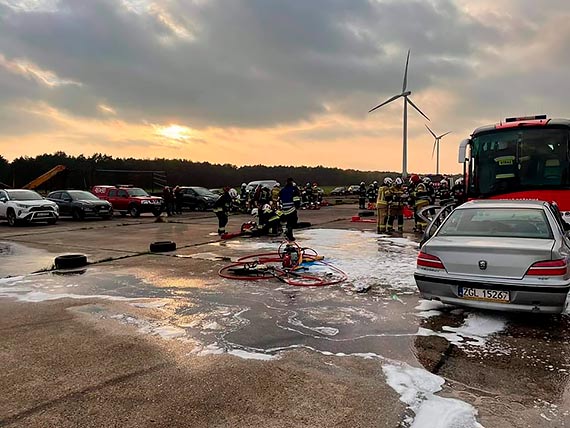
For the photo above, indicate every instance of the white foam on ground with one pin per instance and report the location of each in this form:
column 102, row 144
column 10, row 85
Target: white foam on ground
column 367, row 258
column 417, row 388
column 39, row 296
column 474, row 332
column 215, row 349
column 429, row 308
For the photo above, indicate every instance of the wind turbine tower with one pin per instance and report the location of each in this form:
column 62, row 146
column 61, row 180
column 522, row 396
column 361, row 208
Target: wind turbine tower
column 406, row 96
column 436, row 147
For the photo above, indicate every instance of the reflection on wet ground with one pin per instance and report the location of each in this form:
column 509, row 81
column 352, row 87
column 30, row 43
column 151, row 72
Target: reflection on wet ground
column 424, row 347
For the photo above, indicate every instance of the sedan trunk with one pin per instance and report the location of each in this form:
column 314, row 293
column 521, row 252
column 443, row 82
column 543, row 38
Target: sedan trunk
column 489, row 257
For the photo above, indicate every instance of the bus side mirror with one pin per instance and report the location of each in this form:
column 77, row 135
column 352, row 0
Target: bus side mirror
column 463, row 150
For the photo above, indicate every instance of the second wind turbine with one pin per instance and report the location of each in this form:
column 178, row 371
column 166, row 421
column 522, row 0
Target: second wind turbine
column 406, row 95
column 436, row 147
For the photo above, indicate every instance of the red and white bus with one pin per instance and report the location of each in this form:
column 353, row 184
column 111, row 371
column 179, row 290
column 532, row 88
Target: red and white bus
column 520, row 158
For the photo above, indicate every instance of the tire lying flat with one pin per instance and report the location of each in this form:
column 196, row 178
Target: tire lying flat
column 70, row 261
column 162, row 246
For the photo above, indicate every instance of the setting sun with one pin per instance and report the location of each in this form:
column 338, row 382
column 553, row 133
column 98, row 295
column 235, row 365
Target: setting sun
column 174, row 132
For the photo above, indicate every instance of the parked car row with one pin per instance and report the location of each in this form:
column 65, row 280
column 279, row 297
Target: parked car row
column 19, row 206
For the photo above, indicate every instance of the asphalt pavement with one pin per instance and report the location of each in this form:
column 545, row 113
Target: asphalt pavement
column 139, row 339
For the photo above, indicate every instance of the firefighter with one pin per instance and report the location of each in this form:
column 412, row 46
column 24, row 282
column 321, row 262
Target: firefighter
column 269, row 220
column 444, row 193
column 371, row 194
column 275, row 196
column 458, row 192
column 243, row 197
column 430, row 190
column 362, row 195
column 264, row 196
column 290, row 201
column 222, row 207
column 421, row 199
column 382, row 205
column 396, row 205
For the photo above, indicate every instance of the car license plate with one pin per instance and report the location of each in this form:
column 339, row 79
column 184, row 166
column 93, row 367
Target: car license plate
column 42, row 215
column 499, row 296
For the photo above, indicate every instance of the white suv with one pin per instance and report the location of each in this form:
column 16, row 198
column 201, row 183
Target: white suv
column 20, row 205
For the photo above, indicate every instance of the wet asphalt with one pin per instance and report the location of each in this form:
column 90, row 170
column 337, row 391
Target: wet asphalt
column 181, row 323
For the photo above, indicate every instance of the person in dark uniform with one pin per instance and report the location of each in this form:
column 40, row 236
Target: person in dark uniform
column 290, row 201
column 222, row 207
column 362, row 195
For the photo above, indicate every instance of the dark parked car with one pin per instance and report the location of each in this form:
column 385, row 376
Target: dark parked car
column 339, row 191
column 353, row 189
column 198, row 198
column 80, row 204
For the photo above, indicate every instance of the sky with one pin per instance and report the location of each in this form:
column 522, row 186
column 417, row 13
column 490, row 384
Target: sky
column 274, row 82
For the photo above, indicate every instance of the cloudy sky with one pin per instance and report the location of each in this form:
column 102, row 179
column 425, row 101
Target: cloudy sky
column 273, row 81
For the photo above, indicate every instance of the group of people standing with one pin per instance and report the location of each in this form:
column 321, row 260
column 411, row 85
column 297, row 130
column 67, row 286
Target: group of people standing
column 271, row 206
column 172, row 200
column 394, row 194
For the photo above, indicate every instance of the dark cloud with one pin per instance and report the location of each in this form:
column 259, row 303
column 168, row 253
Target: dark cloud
column 256, row 62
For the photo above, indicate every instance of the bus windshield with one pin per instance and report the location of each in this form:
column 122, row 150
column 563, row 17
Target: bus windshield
column 519, row 159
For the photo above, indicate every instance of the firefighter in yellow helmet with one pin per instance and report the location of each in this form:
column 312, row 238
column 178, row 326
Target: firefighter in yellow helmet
column 382, row 205
column 421, row 197
column 396, row 211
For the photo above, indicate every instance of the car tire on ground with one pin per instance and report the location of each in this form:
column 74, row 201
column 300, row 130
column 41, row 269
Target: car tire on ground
column 107, row 217
column 70, row 261
column 52, row 221
column 162, row 246
column 366, row 213
column 201, row 206
column 134, row 211
column 11, row 216
column 156, row 213
column 77, row 214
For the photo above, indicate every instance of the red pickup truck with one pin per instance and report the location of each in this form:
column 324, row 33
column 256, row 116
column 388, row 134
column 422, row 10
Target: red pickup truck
column 129, row 200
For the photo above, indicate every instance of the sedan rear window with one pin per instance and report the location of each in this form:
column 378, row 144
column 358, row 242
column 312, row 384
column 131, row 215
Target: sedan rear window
column 497, row 222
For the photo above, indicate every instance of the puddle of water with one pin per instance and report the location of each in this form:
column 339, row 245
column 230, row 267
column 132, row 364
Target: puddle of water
column 367, row 258
column 17, row 259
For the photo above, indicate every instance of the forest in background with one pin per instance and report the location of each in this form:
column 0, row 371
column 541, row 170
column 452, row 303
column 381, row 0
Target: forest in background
column 83, row 172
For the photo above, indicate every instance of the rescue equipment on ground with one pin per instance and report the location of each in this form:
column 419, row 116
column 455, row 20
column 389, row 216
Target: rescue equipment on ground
column 289, row 265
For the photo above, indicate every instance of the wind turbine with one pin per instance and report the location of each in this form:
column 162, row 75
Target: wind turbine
column 436, row 147
column 406, row 95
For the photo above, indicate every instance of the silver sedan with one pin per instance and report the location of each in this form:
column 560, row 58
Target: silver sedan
column 500, row 255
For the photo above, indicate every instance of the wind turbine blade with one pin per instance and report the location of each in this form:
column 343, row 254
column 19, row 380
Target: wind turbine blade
column 433, row 151
column 406, row 73
column 416, row 107
column 395, row 97
column 430, row 131
column 443, row 135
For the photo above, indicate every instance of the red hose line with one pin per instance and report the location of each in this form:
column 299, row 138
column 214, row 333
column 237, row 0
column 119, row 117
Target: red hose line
column 281, row 274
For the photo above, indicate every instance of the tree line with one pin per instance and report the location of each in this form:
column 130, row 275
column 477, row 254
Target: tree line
column 83, row 172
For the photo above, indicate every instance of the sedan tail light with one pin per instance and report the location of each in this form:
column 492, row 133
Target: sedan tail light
column 427, row 260
column 549, row 268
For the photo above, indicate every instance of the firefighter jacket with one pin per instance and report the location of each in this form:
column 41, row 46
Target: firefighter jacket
column 362, row 192
column 290, row 199
column 264, row 196
column 223, row 203
column 421, row 194
column 384, row 197
column 397, row 196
